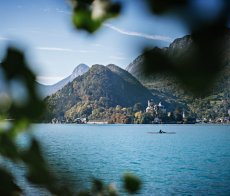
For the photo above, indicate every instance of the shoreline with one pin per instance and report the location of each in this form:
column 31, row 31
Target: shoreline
column 107, row 124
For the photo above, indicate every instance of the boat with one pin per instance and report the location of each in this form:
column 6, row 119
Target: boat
column 152, row 132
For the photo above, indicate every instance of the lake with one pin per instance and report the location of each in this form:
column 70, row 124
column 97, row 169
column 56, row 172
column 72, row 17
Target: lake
column 194, row 161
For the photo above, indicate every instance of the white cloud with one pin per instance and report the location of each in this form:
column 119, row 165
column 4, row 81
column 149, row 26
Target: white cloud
column 63, row 12
column 96, row 45
column 139, row 34
column 59, row 49
column 83, row 51
column 53, row 49
column 4, row 38
column 48, row 80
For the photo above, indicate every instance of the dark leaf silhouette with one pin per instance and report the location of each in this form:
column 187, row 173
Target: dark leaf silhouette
column 162, row 6
column 132, row 184
column 198, row 65
column 15, row 67
column 7, row 185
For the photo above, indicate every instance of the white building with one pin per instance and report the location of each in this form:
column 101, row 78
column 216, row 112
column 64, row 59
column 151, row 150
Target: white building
column 155, row 108
column 150, row 107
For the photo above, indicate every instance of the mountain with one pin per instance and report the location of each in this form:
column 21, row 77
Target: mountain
column 47, row 90
column 191, row 60
column 104, row 86
column 213, row 104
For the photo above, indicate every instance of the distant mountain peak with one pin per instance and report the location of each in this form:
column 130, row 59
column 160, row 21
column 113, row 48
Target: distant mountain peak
column 51, row 89
column 114, row 67
column 96, row 66
column 81, row 67
column 78, row 71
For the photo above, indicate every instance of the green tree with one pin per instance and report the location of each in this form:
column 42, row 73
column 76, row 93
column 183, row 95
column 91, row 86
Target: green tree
column 147, row 118
column 137, row 107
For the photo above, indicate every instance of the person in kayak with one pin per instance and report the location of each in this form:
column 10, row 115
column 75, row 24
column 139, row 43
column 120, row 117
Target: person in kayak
column 161, row 131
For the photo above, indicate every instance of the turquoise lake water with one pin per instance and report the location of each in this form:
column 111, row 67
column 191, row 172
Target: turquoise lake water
column 194, row 161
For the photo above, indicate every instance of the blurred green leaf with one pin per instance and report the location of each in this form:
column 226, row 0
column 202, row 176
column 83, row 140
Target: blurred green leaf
column 84, row 193
column 82, row 20
column 15, row 67
column 8, row 147
column 89, row 15
column 98, row 186
column 132, row 184
column 7, row 185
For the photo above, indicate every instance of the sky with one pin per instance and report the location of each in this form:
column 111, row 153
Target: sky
column 43, row 29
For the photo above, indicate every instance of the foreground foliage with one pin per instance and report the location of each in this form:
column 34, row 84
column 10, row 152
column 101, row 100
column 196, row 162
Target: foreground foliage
column 24, row 110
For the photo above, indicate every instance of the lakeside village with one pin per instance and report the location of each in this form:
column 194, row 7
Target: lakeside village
column 152, row 114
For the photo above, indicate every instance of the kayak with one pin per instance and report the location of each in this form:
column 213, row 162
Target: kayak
column 161, row 133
